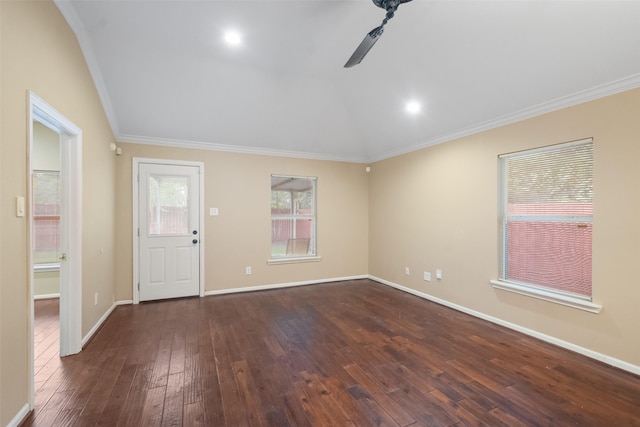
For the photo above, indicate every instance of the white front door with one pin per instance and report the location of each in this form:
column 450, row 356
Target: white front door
column 169, row 242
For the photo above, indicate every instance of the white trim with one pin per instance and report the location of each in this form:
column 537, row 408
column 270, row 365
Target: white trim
column 46, row 268
column 71, row 287
column 46, row 296
column 48, row 116
column 71, row 291
column 75, row 23
column 621, row 364
column 212, row 146
column 283, row 285
column 546, row 148
column 558, row 298
column 102, row 319
column 98, row 324
column 20, row 416
column 601, row 91
column 136, row 239
column 292, row 260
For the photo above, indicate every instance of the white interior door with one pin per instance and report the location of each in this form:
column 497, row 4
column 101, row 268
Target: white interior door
column 169, row 235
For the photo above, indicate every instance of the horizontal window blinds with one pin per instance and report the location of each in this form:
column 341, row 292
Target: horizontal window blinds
column 547, row 208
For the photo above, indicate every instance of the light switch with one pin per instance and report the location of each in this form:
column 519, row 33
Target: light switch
column 20, row 206
column 213, row 212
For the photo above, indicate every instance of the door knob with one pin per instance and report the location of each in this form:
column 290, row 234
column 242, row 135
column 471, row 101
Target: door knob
column 195, row 232
column 195, row 241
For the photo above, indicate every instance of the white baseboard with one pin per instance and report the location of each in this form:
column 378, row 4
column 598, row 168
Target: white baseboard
column 621, row 364
column 20, row 416
column 99, row 323
column 282, row 285
column 263, row 287
column 46, row 296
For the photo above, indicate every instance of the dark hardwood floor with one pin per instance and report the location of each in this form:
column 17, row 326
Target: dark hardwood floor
column 350, row 353
column 46, row 343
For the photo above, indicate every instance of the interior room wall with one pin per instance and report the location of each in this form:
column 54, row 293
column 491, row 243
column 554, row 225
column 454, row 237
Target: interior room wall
column 46, row 148
column 239, row 186
column 46, row 284
column 437, row 208
column 33, row 33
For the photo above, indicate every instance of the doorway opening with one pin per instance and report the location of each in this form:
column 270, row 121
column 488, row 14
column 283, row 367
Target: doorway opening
column 55, row 229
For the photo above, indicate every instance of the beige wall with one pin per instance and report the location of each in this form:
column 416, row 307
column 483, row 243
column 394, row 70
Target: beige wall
column 34, row 33
column 437, row 208
column 239, row 186
column 46, row 283
column 45, row 155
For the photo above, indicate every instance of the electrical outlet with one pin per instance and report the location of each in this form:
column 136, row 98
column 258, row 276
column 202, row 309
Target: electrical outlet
column 247, row 270
column 406, row 271
column 439, row 274
column 427, row 276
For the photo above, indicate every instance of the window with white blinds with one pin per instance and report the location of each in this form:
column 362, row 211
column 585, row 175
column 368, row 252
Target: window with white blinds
column 546, row 218
column 46, row 216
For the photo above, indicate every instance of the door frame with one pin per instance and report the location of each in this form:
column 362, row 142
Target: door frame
column 70, row 226
column 136, row 219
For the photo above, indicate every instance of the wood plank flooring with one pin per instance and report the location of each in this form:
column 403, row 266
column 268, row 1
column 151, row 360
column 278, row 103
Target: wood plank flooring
column 46, row 341
column 351, row 353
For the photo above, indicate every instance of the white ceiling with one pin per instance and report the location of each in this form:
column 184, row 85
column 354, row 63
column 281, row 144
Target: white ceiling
column 165, row 76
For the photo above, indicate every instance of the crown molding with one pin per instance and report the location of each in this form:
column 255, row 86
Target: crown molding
column 601, row 91
column 611, row 88
column 199, row 145
column 69, row 13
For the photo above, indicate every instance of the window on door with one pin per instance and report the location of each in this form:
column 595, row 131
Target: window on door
column 293, row 217
column 546, row 218
column 168, row 205
column 46, row 216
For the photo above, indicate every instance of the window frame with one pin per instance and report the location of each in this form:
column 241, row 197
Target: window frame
column 539, row 291
column 40, row 261
column 312, row 254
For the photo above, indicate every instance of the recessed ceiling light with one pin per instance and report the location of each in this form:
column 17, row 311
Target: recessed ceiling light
column 413, row 107
column 233, row 38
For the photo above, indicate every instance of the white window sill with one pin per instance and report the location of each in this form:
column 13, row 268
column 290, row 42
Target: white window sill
column 42, row 268
column 574, row 302
column 276, row 261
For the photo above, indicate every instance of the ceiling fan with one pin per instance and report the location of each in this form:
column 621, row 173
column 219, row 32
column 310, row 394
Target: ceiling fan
column 372, row 37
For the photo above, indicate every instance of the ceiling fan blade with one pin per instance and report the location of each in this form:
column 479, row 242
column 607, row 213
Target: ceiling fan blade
column 367, row 43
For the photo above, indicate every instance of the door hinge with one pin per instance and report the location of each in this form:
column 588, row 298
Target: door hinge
column 138, row 286
column 138, row 232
